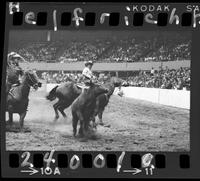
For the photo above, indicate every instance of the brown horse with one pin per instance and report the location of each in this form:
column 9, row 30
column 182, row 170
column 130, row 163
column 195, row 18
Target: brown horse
column 83, row 107
column 103, row 99
column 67, row 92
column 17, row 98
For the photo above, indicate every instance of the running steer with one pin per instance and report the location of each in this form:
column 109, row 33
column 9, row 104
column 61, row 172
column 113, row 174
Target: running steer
column 83, row 107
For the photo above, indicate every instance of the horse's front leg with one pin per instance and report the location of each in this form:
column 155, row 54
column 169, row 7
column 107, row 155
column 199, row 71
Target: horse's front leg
column 74, row 123
column 55, row 106
column 80, row 132
column 61, row 109
column 100, row 113
column 96, row 110
column 86, row 124
column 21, row 120
column 94, row 124
column 81, row 119
column 10, row 121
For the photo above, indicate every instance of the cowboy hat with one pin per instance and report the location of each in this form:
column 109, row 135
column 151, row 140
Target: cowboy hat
column 15, row 55
column 88, row 63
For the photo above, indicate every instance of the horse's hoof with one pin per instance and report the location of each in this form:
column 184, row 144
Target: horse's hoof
column 94, row 127
column 107, row 125
column 83, row 139
column 55, row 120
column 79, row 136
column 21, row 130
column 25, row 130
column 101, row 123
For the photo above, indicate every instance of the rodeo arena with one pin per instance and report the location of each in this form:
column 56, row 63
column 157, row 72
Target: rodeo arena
column 98, row 91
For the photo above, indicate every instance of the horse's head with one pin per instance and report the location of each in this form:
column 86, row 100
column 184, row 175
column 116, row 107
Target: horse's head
column 33, row 79
column 97, row 89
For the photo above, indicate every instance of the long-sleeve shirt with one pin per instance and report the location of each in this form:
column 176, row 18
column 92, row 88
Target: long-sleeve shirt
column 87, row 73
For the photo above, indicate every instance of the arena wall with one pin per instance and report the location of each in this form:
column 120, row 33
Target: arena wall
column 169, row 97
column 78, row 66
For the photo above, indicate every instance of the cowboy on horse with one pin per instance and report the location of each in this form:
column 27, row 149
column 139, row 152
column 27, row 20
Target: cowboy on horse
column 14, row 71
column 88, row 76
column 18, row 91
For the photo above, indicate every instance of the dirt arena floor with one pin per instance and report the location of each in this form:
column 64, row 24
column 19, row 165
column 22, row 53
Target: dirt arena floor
column 135, row 125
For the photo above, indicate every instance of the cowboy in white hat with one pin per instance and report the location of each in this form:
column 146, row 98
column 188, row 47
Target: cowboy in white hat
column 14, row 71
column 14, row 58
column 88, row 76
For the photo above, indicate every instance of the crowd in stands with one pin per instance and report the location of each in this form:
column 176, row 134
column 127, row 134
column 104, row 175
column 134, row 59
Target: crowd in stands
column 59, row 77
column 41, row 52
column 121, row 50
column 163, row 78
column 129, row 49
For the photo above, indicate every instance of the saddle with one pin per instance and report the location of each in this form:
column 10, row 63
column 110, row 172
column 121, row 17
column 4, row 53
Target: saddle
column 12, row 88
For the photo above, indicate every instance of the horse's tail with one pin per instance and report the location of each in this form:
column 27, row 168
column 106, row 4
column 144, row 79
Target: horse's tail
column 52, row 94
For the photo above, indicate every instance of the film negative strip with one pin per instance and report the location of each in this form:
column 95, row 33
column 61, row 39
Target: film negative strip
column 96, row 89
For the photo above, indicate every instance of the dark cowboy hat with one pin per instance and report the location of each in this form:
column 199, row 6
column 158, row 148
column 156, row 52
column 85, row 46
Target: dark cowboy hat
column 88, row 63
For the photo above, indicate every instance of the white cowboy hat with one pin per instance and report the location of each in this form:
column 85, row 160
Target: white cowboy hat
column 15, row 55
column 88, row 63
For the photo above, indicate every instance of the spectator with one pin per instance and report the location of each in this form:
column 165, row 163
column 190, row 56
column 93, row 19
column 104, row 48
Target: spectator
column 128, row 50
column 165, row 79
column 152, row 71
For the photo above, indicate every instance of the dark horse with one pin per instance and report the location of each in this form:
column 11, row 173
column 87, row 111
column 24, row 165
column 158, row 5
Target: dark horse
column 83, row 107
column 69, row 91
column 17, row 97
column 103, row 99
column 66, row 94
